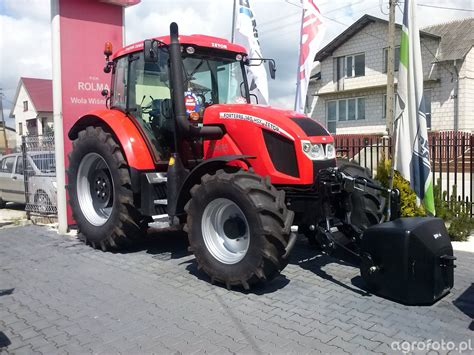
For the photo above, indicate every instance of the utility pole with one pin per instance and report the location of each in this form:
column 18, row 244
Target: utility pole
column 3, row 122
column 389, row 112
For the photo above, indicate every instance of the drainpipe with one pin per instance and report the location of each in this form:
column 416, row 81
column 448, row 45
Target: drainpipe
column 456, row 98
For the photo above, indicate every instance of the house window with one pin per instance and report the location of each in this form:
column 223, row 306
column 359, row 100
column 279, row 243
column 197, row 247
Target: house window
column 332, row 110
column 25, row 106
column 339, row 72
column 385, row 58
column 355, row 65
column 20, row 128
column 345, row 110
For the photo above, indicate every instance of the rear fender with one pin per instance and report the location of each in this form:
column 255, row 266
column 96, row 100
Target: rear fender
column 131, row 140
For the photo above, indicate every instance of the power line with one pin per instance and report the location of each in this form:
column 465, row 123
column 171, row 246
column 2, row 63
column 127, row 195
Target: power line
column 273, row 29
column 446, row 7
column 345, row 6
column 442, row 7
column 263, row 24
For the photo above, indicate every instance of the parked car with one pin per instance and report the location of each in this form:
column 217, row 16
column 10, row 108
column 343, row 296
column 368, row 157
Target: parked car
column 41, row 171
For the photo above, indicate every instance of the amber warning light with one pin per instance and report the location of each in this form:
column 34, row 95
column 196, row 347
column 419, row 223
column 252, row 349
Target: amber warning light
column 108, row 49
column 108, row 53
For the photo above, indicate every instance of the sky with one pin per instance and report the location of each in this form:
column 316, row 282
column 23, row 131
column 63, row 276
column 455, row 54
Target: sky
column 25, row 32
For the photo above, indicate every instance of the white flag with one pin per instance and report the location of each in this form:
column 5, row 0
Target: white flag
column 246, row 35
column 412, row 154
column 312, row 33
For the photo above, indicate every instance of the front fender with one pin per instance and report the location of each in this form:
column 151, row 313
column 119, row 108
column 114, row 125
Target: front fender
column 207, row 166
column 133, row 143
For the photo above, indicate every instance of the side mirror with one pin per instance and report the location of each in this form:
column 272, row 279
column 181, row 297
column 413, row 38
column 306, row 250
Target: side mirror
column 151, row 51
column 272, row 68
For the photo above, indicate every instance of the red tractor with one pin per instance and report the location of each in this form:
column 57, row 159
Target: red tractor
column 181, row 143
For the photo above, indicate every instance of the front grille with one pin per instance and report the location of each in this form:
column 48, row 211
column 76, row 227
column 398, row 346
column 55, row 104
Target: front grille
column 282, row 153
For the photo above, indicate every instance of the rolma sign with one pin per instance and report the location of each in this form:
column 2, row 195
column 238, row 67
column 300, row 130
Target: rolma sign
column 85, row 25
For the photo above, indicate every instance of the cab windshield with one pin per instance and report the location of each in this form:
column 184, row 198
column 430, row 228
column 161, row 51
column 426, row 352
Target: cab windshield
column 212, row 80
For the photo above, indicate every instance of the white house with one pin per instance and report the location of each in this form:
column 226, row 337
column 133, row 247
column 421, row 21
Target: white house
column 349, row 95
column 33, row 107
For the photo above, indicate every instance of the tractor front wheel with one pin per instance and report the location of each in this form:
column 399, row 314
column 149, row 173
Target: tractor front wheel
column 100, row 192
column 238, row 227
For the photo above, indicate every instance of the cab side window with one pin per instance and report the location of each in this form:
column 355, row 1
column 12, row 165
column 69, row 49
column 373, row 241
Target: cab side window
column 6, row 165
column 119, row 94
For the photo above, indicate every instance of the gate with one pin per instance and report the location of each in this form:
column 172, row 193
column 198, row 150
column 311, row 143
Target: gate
column 39, row 174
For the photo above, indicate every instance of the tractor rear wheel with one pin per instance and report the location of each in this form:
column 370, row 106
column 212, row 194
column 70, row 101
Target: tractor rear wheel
column 100, row 194
column 238, row 227
column 367, row 206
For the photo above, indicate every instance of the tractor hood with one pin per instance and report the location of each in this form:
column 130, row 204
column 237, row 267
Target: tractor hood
column 287, row 146
column 247, row 117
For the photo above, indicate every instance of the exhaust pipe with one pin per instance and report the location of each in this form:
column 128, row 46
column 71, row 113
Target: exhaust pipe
column 185, row 128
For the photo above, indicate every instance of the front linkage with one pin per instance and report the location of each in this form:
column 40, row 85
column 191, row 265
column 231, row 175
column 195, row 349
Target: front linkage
column 336, row 195
column 409, row 260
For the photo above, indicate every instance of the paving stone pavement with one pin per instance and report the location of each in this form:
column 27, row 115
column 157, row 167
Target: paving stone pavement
column 60, row 296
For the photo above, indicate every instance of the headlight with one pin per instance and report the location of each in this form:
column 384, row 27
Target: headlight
column 306, row 147
column 330, row 151
column 55, row 185
column 318, row 151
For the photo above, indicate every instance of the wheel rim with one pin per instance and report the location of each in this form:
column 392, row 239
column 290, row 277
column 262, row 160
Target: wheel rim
column 225, row 230
column 95, row 189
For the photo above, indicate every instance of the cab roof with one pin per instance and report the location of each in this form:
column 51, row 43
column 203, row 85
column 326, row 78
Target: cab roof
column 196, row 40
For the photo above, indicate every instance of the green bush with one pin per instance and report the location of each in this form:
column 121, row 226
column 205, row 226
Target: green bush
column 453, row 212
column 456, row 212
column 408, row 207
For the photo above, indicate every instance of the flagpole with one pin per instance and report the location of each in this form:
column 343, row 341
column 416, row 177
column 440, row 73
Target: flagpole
column 233, row 21
column 298, row 81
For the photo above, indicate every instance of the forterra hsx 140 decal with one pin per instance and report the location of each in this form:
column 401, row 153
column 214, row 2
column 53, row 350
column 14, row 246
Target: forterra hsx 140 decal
column 257, row 120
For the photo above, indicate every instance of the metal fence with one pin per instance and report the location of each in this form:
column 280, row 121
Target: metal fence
column 451, row 160
column 39, row 174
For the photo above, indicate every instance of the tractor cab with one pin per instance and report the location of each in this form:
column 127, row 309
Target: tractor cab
column 214, row 72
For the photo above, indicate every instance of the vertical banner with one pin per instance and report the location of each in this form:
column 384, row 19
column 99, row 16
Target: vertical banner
column 246, row 34
column 412, row 153
column 84, row 27
column 312, row 33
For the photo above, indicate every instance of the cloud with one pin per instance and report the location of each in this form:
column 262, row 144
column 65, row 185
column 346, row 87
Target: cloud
column 25, row 47
column 25, row 39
